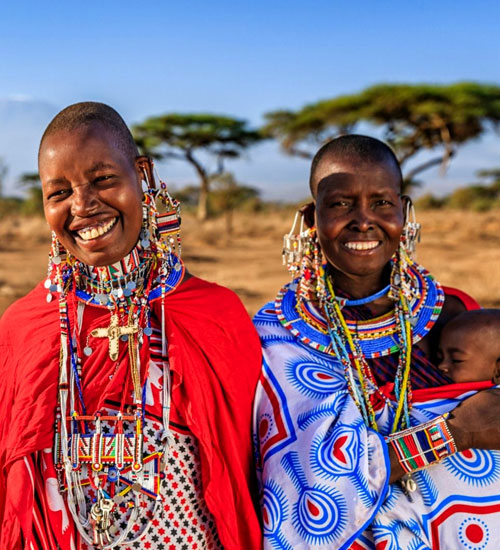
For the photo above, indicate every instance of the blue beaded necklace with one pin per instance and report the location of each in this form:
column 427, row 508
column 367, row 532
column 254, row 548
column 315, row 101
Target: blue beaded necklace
column 362, row 301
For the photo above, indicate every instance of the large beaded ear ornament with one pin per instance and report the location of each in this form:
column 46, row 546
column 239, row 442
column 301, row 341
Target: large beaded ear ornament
column 161, row 215
column 411, row 230
column 302, row 256
column 58, row 268
column 294, row 245
column 402, row 281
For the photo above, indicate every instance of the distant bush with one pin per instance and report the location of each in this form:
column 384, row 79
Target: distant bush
column 429, row 202
column 473, row 197
column 10, row 206
column 33, row 204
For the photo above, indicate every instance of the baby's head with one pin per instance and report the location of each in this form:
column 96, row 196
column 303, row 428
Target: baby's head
column 469, row 347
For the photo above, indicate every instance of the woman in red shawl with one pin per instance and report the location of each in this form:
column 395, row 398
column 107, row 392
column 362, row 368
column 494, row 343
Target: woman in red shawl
column 126, row 383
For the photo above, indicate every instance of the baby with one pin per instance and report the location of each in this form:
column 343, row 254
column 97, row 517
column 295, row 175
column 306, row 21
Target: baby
column 469, row 347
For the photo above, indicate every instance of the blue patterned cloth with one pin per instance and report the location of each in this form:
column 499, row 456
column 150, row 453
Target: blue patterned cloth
column 324, row 475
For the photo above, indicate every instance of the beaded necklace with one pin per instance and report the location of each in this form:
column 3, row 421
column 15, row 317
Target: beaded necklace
column 352, row 342
column 362, row 301
column 360, row 379
column 117, row 468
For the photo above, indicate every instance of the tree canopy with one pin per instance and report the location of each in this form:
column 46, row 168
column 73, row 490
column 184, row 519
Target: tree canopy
column 412, row 118
column 184, row 136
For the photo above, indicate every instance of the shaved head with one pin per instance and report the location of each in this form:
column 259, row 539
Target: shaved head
column 470, row 346
column 91, row 113
column 352, row 148
column 480, row 320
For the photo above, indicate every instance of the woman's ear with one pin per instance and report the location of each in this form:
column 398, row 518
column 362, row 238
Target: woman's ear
column 144, row 165
column 496, row 372
column 307, row 212
column 407, row 205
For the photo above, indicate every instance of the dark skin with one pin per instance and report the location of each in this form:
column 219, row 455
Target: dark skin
column 90, row 183
column 469, row 347
column 358, row 210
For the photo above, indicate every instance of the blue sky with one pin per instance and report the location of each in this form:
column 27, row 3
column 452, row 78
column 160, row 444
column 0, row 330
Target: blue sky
column 243, row 59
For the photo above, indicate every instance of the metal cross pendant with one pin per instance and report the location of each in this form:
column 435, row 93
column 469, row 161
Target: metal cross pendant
column 113, row 333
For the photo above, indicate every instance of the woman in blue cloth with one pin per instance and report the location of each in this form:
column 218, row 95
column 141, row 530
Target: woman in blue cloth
column 356, row 448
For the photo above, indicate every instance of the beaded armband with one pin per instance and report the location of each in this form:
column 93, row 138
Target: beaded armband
column 423, row 445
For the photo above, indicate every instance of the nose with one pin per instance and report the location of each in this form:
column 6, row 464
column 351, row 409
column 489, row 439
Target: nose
column 84, row 201
column 362, row 218
column 443, row 365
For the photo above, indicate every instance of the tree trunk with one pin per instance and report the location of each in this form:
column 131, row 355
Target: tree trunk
column 204, row 186
column 203, row 200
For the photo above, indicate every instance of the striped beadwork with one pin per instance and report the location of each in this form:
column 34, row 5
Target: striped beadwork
column 423, row 445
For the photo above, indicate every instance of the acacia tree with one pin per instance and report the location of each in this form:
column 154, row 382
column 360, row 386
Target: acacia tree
column 184, row 136
column 413, row 118
column 228, row 195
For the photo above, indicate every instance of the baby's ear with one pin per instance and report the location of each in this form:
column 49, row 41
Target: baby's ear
column 496, row 372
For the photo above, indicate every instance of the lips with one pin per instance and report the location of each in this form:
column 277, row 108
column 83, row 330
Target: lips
column 361, row 245
column 92, row 232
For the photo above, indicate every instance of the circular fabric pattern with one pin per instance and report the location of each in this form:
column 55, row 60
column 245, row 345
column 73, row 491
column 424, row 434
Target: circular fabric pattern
column 315, row 379
column 474, row 466
column 474, row 533
column 274, row 508
column 337, row 454
column 319, row 515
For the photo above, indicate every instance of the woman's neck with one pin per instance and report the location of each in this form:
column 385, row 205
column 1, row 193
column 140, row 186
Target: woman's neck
column 362, row 286
column 359, row 286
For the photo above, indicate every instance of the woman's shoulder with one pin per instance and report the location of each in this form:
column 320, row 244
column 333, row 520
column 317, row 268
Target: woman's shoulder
column 458, row 300
column 206, row 294
column 29, row 312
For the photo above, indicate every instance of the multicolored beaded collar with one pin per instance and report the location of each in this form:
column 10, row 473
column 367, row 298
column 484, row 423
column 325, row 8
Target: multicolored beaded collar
column 377, row 337
column 102, row 286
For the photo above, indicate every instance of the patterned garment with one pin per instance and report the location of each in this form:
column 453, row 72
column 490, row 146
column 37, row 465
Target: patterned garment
column 184, row 521
column 324, row 474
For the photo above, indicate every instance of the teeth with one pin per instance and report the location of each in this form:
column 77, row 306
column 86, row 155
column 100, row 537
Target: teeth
column 93, row 232
column 362, row 245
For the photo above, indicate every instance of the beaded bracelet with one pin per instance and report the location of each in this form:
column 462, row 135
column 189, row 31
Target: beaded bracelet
column 423, row 445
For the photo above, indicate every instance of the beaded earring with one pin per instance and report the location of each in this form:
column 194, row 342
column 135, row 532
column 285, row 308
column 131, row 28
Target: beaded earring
column 411, row 230
column 401, row 280
column 303, row 258
column 161, row 215
column 57, row 265
column 293, row 246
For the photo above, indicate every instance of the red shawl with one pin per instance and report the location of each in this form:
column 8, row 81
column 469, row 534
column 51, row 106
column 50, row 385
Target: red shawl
column 215, row 359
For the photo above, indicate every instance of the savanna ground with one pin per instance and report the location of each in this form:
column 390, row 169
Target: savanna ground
column 461, row 249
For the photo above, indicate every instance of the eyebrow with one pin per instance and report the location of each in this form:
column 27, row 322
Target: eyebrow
column 100, row 166
column 56, row 181
column 348, row 193
column 456, row 350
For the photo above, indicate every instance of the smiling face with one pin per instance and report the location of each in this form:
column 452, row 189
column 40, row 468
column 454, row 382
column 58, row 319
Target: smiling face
column 468, row 353
column 92, row 194
column 359, row 216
